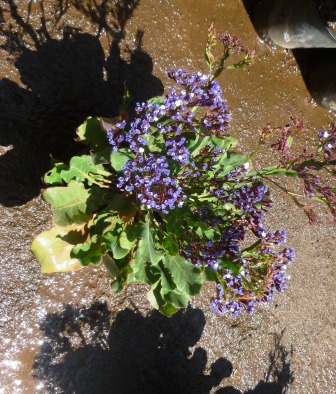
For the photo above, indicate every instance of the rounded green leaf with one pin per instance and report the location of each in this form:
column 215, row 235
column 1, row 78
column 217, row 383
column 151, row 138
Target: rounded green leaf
column 92, row 133
column 68, row 204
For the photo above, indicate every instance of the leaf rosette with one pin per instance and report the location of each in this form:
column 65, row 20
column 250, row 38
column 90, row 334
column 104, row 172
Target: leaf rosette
column 162, row 197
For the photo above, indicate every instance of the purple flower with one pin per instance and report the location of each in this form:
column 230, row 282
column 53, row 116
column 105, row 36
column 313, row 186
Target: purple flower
column 151, row 180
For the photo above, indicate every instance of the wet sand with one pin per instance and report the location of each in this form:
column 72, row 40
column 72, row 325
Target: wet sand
column 69, row 333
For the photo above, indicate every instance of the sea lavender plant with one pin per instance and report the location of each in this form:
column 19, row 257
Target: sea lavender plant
column 162, row 198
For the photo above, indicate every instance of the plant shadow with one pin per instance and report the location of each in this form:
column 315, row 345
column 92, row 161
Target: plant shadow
column 134, row 354
column 87, row 350
column 62, row 82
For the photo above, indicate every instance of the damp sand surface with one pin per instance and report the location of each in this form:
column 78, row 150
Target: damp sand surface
column 69, row 333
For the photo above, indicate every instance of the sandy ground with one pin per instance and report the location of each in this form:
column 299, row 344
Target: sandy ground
column 68, row 333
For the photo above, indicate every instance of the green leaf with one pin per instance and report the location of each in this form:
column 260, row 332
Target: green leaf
column 235, row 66
column 54, row 252
column 111, row 266
column 82, row 168
column 229, row 161
column 69, row 204
column 111, row 240
column 186, row 276
column 96, row 198
column 167, row 281
column 124, row 241
column 53, row 176
column 168, row 310
column 125, row 206
column 176, row 219
column 89, row 252
column 170, row 244
column 146, row 245
column 92, row 133
column 154, row 295
column 196, row 146
column 117, row 285
column 175, row 298
column 139, row 268
column 155, row 298
column 105, row 221
column 209, row 274
column 224, row 143
column 126, row 100
column 119, row 158
column 142, row 271
column 280, row 171
column 118, row 271
column 133, row 231
column 289, row 141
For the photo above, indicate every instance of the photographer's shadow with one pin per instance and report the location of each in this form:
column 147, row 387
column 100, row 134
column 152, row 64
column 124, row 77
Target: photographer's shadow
column 135, row 354
column 65, row 81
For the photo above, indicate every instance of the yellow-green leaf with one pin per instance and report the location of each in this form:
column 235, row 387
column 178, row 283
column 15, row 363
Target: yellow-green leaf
column 52, row 248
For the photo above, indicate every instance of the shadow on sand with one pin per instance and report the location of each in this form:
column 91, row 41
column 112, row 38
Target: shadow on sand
column 86, row 352
column 63, row 81
column 278, row 377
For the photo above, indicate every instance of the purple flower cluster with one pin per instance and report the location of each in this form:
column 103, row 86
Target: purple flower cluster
column 230, row 305
column 234, row 293
column 150, row 178
column 203, row 255
column 207, row 216
column 254, row 201
column 212, row 253
column 156, row 181
column 177, row 151
column 278, row 238
column 260, row 276
column 235, row 176
column 201, row 91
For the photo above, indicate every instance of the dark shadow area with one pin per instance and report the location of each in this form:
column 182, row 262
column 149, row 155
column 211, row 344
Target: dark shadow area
column 89, row 351
column 133, row 354
column 279, row 376
column 259, row 12
column 317, row 65
column 63, row 82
